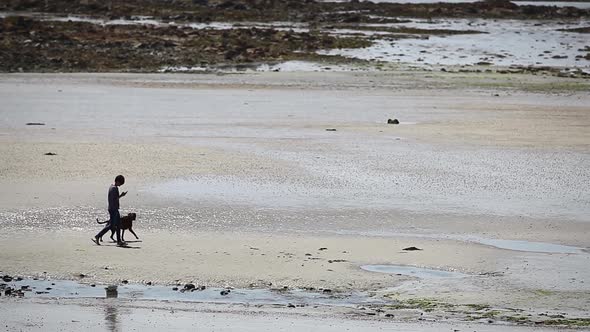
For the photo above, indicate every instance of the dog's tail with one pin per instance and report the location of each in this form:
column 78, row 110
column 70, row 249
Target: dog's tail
column 102, row 222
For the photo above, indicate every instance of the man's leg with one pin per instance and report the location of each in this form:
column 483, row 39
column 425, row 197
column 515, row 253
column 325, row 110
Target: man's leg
column 104, row 230
column 116, row 221
column 98, row 236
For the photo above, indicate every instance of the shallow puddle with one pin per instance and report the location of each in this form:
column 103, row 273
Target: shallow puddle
column 529, row 246
column 413, row 271
column 73, row 289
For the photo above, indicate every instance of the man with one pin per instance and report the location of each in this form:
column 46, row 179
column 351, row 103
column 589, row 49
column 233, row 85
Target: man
column 115, row 221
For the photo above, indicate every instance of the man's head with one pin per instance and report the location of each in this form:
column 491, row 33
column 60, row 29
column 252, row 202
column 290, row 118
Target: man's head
column 119, row 180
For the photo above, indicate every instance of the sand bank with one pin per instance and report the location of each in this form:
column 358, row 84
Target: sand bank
column 237, row 183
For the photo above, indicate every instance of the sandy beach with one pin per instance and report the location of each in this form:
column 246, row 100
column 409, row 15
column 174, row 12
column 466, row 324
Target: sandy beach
column 261, row 181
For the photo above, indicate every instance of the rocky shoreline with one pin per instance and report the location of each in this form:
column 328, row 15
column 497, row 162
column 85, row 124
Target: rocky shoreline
column 292, row 10
column 34, row 44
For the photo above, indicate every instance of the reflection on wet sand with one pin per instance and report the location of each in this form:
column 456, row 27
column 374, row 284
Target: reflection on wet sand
column 111, row 316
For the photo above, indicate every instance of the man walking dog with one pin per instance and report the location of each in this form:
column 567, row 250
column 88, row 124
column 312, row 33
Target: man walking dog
column 115, row 221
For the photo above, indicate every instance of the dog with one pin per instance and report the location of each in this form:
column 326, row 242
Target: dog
column 126, row 223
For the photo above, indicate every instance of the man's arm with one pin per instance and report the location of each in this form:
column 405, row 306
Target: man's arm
column 123, row 194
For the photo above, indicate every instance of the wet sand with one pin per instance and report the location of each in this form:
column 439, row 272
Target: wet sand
column 122, row 316
column 235, row 181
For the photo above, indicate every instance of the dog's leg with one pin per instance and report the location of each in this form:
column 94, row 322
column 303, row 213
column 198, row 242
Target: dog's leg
column 132, row 232
column 122, row 235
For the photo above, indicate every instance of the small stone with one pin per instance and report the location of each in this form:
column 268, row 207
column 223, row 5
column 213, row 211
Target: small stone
column 389, row 315
column 92, row 285
column 48, row 288
column 321, row 249
column 225, row 292
column 290, row 305
column 392, row 121
column 189, row 286
column 149, row 283
column 202, row 288
column 51, row 154
column 125, row 282
column 35, row 124
column 330, row 129
column 7, row 278
column 174, row 288
column 327, row 290
column 81, row 275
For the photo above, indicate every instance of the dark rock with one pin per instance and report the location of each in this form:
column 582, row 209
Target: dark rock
column 174, row 288
column 149, row 283
column 321, row 249
column 330, row 129
column 389, row 315
column 93, row 285
column 8, row 291
column 290, row 305
column 411, row 249
column 81, row 275
column 327, row 290
column 48, row 288
column 125, row 282
column 392, row 121
column 19, row 278
column 7, row 278
column 51, row 154
column 111, row 291
column 189, row 286
column 225, row 292
column 35, row 124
